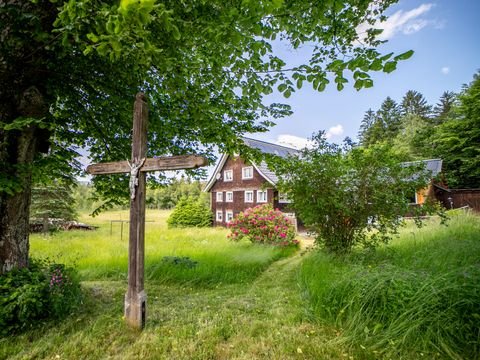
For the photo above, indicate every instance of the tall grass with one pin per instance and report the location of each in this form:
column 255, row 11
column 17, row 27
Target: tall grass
column 211, row 259
column 418, row 297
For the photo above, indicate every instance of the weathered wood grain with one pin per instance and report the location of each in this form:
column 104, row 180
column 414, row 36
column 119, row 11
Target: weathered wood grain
column 136, row 298
column 179, row 162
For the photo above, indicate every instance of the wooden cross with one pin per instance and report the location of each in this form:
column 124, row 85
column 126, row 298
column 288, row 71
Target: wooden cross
column 135, row 298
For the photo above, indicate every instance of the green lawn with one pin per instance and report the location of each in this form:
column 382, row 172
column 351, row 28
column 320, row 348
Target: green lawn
column 243, row 301
column 102, row 254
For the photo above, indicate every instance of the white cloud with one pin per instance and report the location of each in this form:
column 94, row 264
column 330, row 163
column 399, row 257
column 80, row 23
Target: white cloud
column 405, row 22
column 334, row 131
column 293, row 141
column 445, row 70
column 299, row 143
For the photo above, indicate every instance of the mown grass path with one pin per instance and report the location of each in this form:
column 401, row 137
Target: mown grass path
column 263, row 319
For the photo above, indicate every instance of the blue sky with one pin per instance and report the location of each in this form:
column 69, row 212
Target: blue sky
column 445, row 36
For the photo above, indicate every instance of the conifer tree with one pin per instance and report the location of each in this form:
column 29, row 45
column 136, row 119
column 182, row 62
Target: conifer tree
column 52, row 201
column 445, row 104
column 457, row 140
column 414, row 103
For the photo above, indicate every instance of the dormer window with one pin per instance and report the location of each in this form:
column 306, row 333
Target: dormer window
column 228, row 175
column 247, row 172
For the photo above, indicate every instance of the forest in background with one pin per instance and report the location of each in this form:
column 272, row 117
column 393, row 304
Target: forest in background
column 416, row 130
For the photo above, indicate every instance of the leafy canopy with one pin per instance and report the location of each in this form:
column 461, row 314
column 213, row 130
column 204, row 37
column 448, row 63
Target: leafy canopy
column 350, row 195
column 206, row 67
column 457, row 140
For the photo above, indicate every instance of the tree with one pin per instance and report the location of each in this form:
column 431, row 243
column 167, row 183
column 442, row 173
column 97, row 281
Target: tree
column 52, row 201
column 457, row 140
column 166, row 197
column 412, row 143
column 389, row 116
column 414, row 103
column 349, row 195
column 442, row 109
column 366, row 128
column 70, row 69
column 190, row 212
column 381, row 126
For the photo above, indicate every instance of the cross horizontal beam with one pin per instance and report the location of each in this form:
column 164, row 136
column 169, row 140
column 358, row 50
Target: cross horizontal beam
column 178, row 162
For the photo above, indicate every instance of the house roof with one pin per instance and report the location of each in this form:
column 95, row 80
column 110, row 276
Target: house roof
column 262, row 168
column 269, row 148
column 433, row 166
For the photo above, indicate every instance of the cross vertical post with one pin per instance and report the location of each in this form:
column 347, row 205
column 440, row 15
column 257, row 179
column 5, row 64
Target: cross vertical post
column 136, row 298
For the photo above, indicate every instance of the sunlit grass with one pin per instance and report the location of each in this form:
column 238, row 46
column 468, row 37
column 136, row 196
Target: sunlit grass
column 402, row 302
column 103, row 254
column 250, row 308
column 420, row 296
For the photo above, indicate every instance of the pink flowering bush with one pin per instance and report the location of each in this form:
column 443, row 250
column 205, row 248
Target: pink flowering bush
column 262, row 224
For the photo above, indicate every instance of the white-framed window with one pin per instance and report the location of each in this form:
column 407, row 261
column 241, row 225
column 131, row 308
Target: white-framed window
column 228, row 215
column 219, row 196
column 247, row 172
column 229, row 196
column 283, row 198
column 249, row 196
column 261, row 196
column 219, row 215
column 228, row 175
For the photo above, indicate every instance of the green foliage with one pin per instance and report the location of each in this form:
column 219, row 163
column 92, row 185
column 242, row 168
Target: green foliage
column 442, row 110
column 190, row 212
column 449, row 132
column 382, row 125
column 83, row 195
column 457, row 139
column 183, row 261
column 166, row 197
column 43, row 291
column 414, row 103
column 411, row 141
column 420, row 296
column 350, row 195
column 189, row 58
column 53, row 201
column 263, row 225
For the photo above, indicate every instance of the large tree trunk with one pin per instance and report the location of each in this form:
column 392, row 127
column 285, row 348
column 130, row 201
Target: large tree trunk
column 17, row 151
column 25, row 69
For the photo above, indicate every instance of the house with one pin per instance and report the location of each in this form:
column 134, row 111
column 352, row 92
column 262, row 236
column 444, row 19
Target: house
column 433, row 167
column 237, row 184
column 438, row 191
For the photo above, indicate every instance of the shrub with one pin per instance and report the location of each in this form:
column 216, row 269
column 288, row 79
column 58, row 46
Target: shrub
column 44, row 290
column 350, row 195
column 190, row 212
column 263, row 225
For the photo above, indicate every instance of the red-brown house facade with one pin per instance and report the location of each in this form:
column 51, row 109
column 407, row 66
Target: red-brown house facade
column 237, row 184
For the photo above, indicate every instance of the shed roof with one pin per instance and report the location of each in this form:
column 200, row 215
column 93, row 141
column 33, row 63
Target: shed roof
column 433, row 166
